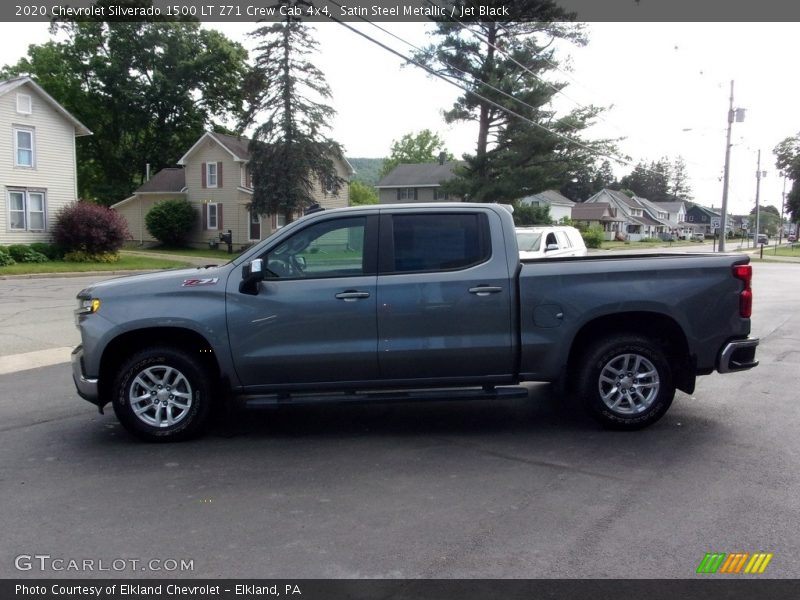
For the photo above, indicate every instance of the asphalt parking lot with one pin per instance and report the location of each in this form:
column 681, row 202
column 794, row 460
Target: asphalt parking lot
column 512, row 489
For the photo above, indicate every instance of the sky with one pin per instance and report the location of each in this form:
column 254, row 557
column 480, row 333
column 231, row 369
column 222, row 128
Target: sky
column 666, row 86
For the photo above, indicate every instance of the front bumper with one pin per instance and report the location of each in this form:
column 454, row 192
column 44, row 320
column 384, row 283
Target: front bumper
column 738, row 355
column 88, row 388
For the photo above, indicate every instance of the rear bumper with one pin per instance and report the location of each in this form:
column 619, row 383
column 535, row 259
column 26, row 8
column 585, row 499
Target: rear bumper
column 738, row 355
column 88, row 388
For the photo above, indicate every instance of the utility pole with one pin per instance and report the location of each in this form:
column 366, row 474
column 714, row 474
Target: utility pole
column 726, row 175
column 758, row 190
column 783, row 205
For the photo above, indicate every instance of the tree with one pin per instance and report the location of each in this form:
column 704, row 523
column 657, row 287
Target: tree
column 147, row 90
column 521, row 147
column 651, row 181
column 422, row 147
column 787, row 155
column 361, row 193
column 588, row 181
column 679, row 181
column 290, row 154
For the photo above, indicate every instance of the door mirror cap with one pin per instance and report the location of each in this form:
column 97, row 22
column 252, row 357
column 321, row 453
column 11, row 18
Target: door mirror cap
column 551, row 247
column 252, row 274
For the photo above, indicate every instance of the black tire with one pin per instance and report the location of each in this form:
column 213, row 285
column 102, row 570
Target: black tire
column 625, row 382
column 180, row 385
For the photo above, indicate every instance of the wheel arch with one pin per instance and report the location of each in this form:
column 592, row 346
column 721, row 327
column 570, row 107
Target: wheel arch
column 130, row 342
column 659, row 327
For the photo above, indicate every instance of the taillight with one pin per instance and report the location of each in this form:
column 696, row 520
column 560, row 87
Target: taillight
column 744, row 273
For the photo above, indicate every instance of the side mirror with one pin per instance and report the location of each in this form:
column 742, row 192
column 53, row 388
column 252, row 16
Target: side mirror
column 551, row 247
column 252, row 274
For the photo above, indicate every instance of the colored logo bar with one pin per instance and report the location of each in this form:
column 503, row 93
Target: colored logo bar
column 737, row 562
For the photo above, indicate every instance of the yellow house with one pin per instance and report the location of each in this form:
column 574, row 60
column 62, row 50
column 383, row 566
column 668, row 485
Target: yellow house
column 214, row 176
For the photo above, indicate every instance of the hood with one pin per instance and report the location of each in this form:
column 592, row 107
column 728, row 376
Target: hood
column 171, row 279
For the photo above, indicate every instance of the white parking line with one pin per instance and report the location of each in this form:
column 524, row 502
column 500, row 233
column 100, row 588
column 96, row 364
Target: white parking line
column 33, row 360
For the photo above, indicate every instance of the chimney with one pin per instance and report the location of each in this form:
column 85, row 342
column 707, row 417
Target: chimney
column 442, row 157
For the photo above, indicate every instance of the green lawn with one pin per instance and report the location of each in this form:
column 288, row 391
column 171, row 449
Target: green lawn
column 125, row 263
column 198, row 252
column 789, row 250
column 659, row 244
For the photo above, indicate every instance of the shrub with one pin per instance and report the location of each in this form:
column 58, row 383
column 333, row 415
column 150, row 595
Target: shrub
column 51, row 251
column 82, row 256
column 170, row 221
column 531, row 215
column 5, row 257
column 593, row 237
column 17, row 251
column 89, row 228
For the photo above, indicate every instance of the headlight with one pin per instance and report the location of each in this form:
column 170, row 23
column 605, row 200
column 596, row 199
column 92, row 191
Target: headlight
column 88, row 305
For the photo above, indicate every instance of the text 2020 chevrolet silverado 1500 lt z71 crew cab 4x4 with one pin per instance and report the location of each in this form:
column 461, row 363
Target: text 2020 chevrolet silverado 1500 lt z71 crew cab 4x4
column 415, row 297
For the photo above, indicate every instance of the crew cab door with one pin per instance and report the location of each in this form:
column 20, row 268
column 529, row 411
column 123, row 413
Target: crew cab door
column 444, row 296
column 312, row 319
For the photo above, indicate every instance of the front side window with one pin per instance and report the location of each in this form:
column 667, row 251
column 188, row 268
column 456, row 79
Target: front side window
column 23, row 147
column 443, row 243
column 333, row 248
column 26, row 210
column 211, row 174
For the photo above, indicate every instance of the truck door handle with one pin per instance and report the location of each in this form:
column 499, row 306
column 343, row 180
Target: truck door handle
column 485, row 290
column 351, row 295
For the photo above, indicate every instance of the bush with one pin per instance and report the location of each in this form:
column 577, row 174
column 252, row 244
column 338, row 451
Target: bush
column 170, row 221
column 51, row 251
column 5, row 257
column 82, row 256
column 86, row 227
column 593, row 237
column 17, row 251
column 531, row 215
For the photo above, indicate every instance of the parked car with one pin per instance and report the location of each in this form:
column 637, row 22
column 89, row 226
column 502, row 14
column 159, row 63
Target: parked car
column 698, row 237
column 408, row 302
column 762, row 239
column 791, row 239
column 549, row 242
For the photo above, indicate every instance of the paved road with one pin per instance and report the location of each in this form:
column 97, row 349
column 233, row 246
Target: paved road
column 511, row 489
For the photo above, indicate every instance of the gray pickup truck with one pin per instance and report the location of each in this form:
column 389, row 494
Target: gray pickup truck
column 402, row 302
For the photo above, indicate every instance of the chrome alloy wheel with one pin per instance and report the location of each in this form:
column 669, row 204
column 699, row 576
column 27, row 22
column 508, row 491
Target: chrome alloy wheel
column 628, row 384
column 160, row 396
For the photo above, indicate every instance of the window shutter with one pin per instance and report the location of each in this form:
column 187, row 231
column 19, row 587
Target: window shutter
column 204, row 210
column 415, row 193
column 219, row 176
column 203, row 177
column 219, row 216
column 398, row 194
column 274, row 222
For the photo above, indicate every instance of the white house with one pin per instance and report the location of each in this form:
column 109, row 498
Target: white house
column 38, row 168
column 560, row 206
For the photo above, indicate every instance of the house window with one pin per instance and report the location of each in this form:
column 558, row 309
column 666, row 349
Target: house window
column 23, row 147
column 26, row 210
column 280, row 221
column 690, row 218
column 406, row 193
column 330, row 182
column 24, row 104
column 212, row 216
column 211, row 174
column 438, row 194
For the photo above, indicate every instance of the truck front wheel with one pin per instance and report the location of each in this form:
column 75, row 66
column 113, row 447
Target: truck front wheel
column 626, row 382
column 162, row 394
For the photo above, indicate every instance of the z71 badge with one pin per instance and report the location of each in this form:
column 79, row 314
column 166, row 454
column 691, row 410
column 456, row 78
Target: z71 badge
column 196, row 282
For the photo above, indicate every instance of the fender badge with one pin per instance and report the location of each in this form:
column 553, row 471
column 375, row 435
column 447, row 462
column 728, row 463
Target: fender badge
column 196, row 282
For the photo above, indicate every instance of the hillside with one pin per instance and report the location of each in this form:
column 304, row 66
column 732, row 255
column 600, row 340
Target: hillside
column 367, row 169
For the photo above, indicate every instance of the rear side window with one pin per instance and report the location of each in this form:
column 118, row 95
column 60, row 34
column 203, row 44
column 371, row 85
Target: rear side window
column 438, row 242
column 563, row 240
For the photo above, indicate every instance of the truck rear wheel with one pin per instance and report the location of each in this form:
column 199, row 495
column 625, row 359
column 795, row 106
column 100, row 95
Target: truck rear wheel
column 626, row 382
column 162, row 394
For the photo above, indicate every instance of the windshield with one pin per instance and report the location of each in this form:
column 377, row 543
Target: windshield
column 528, row 241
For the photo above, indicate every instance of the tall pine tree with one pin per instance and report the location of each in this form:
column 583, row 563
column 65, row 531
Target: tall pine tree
column 503, row 64
column 290, row 154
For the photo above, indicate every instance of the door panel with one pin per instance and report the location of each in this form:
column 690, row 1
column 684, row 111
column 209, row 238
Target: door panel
column 314, row 317
column 450, row 315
